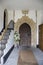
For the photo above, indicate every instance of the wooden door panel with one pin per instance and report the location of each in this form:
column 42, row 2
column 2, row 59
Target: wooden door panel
column 25, row 35
column 41, row 37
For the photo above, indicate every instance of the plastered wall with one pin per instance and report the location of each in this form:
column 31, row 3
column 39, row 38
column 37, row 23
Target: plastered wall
column 32, row 15
column 17, row 14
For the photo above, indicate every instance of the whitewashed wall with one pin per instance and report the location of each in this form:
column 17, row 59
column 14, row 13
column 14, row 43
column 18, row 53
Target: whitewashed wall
column 42, row 16
column 39, row 21
column 18, row 14
column 31, row 14
column 1, row 18
column 10, row 15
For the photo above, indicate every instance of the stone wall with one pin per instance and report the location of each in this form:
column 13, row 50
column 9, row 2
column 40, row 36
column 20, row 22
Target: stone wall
column 26, row 19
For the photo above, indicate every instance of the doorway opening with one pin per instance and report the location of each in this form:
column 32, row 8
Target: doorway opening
column 25, row 35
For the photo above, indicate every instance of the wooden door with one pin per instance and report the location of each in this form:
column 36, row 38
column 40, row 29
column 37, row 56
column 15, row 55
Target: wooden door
column 41, row 37
column 25, row 35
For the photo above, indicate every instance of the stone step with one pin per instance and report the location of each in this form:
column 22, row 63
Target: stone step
column 3, row 41
column 6, row 34
column 6, row 37
column 1, row 53
column 2, row 46
column 8, row 31
column 11, row 25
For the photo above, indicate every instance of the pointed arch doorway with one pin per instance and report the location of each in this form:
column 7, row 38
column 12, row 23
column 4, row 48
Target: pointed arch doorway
column 25, row 35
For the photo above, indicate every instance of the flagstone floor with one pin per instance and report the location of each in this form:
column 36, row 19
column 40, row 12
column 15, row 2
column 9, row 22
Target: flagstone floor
column 13, row 58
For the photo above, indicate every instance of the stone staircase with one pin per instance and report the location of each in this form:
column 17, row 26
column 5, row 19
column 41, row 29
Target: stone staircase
column 3, row 42
column 5, row 38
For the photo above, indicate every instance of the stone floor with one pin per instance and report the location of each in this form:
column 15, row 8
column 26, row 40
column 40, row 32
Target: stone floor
column 39, row 55
column 13, row 58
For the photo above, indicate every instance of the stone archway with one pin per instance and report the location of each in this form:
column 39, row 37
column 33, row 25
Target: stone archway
column 32, row 24
column 25, row 35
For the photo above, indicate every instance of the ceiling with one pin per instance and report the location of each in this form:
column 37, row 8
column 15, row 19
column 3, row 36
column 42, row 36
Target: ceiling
column 22, row 4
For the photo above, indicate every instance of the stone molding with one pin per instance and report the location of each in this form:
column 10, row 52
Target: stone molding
column 32, row 24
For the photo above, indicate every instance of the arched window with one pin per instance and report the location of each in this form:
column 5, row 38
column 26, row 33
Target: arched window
column 5, row 18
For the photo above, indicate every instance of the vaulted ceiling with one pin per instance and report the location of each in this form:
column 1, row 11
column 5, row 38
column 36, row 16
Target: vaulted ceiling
column 22, row 4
